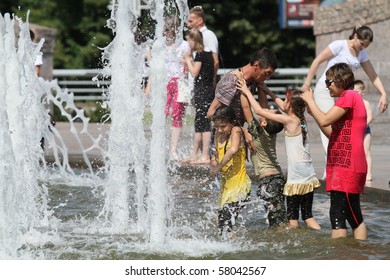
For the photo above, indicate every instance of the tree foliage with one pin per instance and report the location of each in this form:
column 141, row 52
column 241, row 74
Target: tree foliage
column 241, row 27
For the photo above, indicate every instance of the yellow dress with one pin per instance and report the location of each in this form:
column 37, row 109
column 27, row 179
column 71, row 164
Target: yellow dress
column 235, row 182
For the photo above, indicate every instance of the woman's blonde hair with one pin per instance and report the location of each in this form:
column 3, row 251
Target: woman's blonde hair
column 196, row 36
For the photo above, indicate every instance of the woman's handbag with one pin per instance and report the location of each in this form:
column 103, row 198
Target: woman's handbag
column 184, row 90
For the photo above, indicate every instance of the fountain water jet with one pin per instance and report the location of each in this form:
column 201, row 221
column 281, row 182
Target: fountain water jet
column 62, row 218
column 126, row 144
column 23, row 198
column 127, row 130
column 25, row 214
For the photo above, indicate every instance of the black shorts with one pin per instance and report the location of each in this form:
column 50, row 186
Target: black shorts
column 345, row 207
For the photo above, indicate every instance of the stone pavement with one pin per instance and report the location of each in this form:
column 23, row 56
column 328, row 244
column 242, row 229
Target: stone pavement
column 380, row 148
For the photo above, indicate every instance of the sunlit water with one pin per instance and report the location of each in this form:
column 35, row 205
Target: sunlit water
column 136, row 206
column 193, row 232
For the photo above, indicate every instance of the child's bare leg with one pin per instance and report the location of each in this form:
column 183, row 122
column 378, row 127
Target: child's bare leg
column 206, row 136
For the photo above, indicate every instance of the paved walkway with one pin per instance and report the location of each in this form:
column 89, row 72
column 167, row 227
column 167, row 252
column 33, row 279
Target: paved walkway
column 380, row 148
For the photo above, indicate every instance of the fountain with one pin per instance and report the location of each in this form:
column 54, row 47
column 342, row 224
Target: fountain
column 133, row 207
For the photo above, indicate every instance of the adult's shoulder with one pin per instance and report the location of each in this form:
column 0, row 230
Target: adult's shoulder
column 350, row 97
column 338, row 44
column 229, row 75
column 209, row 33
column 210, row 39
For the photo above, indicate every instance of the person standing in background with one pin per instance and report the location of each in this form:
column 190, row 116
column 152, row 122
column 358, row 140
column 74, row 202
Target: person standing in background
column 359, row 86
column 201, row 68
column 196, row 19
column 38, row 59
column 174, row 69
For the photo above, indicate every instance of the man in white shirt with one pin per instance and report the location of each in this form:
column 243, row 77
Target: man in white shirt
column 196, row 20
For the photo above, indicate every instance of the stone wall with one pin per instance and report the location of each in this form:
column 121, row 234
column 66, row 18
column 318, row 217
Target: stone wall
column 337, row 22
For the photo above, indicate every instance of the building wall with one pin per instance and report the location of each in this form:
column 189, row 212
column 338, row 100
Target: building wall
column 337, row 22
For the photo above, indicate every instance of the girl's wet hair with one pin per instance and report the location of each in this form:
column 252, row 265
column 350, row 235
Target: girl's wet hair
column 342, row 75
column 298, row 106
column 196, row 36
column 363, row 33
column 225, row 114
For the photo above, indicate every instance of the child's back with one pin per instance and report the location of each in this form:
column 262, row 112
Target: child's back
column 268, row 170
column 264, row 158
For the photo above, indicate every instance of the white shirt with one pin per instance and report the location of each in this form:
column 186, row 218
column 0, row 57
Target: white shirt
column 174, row 59
column 341, row 52
column 38, row 60
column 210, row 41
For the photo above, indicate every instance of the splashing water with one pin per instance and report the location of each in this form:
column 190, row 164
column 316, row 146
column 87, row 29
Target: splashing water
column 24, row 212
column 132, row 208
column 23, row 198
column 127, row 129
column 147, row 194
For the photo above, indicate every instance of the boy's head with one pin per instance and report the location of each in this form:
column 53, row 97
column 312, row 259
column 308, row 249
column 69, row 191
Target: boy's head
column 359, row 86
column 272, row 127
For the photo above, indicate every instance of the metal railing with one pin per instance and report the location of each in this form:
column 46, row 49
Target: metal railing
column 85, row 88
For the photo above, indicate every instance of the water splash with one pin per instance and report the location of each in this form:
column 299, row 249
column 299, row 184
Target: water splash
column 126, row 144
column 23, row 197
column 126, row 140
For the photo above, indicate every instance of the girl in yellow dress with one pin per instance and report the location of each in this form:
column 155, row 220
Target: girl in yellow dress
column 229, row 161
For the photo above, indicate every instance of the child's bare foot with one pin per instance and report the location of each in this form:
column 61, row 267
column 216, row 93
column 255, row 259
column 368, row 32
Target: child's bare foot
column 312, row 223
column 201, row 162
column 188, row 160
column 293, row 223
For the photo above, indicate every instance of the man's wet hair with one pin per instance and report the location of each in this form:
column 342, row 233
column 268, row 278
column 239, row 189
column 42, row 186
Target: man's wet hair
column 266, row 57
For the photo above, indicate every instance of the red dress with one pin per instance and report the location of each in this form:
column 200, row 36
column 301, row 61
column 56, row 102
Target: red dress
column 346, row 166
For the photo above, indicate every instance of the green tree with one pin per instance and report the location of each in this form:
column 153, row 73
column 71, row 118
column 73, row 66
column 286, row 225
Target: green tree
column 80, row 24
column 242, row 27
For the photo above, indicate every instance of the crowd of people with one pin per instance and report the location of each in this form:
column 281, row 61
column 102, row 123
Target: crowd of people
column 227, row 131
